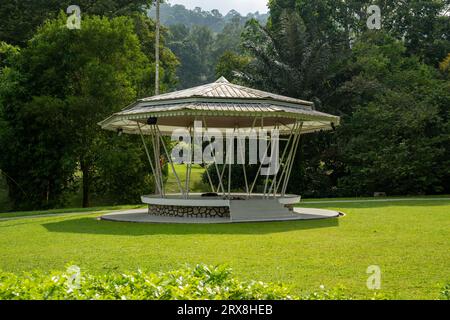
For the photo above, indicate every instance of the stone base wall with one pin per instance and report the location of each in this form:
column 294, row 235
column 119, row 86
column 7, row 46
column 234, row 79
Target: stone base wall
column 190, row 212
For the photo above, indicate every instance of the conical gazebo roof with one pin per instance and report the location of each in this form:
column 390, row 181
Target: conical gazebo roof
column 222, row 105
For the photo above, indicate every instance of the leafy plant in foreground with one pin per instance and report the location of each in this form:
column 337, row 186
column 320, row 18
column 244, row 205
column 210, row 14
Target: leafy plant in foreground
column 445, row 294
column 200, row 282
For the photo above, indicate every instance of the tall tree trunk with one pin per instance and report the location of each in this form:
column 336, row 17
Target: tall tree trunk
column 86, row 182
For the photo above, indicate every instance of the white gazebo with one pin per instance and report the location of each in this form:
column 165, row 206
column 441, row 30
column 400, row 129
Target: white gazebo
column 221, row 107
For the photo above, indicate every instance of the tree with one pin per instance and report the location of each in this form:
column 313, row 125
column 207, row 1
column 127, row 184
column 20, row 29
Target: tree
column 121, row 174
column 292, row 59
column 179, row 15
column 20, row 19
column 145, row 30
column 54, row 94
column 37, row 175
column 193, row 47
column 229, row 40
column 230, row 64
column 423, row 26
column 397, row 139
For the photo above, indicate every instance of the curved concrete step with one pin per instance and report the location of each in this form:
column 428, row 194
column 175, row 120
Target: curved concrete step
column 265, row 209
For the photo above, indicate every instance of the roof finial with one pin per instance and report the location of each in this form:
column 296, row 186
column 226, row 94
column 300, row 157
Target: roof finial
column 222, row 80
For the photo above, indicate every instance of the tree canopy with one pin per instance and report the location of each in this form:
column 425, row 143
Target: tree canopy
column 55, row 90
column 20, row 19
column 385, row 84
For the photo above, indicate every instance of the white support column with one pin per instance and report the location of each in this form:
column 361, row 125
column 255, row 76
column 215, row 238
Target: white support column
column 156, row 153
column 158, row 187
column 288, row 176
column 283, row 160
column 242, row 153
column 189, row 166
column 210, row 180
column 289, row 156
column 266, row 192
column 229, row 155
column 219, row 176
column 262, row 161
column 169, row 158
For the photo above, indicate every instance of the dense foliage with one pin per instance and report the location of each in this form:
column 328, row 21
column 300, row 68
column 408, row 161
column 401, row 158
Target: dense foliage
column 200, row 38
column 19, row 20
column 398, row 136
column 390, row 87
column 54, row 92
column 200, row 50
column 201, row 282
column 214, row 20
column 198, row 283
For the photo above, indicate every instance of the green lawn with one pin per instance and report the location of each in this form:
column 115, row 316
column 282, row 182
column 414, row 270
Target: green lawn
column 409, row 240
column 67, row 210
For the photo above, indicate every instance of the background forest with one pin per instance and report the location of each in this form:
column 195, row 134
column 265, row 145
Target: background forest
column 391, row 86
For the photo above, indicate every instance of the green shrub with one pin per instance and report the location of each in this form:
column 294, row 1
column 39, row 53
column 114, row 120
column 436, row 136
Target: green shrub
column 200, row 282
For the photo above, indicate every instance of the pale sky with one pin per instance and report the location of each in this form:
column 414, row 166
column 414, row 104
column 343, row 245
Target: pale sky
column 241, row 6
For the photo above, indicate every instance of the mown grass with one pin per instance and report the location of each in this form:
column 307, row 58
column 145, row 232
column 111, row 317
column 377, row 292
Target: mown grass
column 409, row 240
column 67, row 210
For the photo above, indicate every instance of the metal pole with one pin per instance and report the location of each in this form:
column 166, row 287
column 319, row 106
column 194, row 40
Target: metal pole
column 264, row 159
column 288, row 159
column 186, row 182
column 229, row 164
column 268, row 192
column 242, row 153
column 274, row 184
column 155, row 144
column 149, row 158
column 283, row 191
column 189, row 166
column 274, row 191
column 158, row 154
column 260, row 167
column 210, row 181
column 215, row 162
column 229, row 180
column 249, row 191
column 157, row 36
column 170, row 161
column 222, row 174
column 157, row 160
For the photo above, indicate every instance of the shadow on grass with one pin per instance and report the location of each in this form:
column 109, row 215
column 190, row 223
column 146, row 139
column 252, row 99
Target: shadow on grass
column 93, row 226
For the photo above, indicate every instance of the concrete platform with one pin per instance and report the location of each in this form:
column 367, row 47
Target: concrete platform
column 142, row 216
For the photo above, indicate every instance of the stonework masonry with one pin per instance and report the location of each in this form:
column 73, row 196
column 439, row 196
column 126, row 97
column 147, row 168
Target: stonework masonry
column 191, row 212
